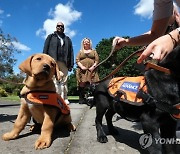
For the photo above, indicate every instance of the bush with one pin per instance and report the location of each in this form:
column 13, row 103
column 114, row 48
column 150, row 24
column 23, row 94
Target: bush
column 72, row 84
column 16, row 92
column 3, row 93
column 11, row 88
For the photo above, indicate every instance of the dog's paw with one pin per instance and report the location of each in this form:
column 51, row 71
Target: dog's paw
column 9, row 136
column 71, row 127
column 42, row 143
column 102, row 139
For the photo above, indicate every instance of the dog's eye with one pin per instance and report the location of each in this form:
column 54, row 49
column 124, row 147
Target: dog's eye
column 38, row 58
column 52, row 64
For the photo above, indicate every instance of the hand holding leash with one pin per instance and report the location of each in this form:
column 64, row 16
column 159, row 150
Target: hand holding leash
column 119, row 42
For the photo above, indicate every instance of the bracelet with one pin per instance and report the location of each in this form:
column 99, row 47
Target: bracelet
column 173, row 40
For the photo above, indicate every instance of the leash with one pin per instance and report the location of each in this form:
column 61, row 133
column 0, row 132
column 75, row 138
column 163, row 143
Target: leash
column 7, row 81
column 110, row 54
column 120, row 65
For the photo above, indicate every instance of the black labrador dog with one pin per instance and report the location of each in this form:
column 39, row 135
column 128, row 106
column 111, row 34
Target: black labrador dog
column 158, row 106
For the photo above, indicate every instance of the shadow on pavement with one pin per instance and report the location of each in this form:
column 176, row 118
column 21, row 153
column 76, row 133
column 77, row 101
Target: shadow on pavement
column 6, row 117
column 128, row 137
column 9, row 105
column 58, row 133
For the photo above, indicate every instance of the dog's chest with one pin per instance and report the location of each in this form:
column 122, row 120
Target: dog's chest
column 30, row 106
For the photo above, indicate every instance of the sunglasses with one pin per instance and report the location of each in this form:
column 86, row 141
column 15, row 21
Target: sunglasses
column 60, row 26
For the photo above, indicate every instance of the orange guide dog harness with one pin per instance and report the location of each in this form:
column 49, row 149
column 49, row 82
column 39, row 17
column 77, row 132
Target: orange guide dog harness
column 47, row 98
column 128, row 87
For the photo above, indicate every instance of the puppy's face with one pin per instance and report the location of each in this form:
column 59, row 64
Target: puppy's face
column 41, row 67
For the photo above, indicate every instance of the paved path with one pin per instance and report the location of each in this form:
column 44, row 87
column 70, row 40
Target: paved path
column 83, row 141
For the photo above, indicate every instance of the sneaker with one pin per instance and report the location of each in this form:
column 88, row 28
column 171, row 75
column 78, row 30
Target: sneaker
column 66, row 101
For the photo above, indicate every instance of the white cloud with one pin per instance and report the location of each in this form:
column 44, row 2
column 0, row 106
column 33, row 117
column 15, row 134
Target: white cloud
column 1, row 11
column 63, row 13
column 20, row 46
column 2, row 16
column 8, row 15
column 144, row 8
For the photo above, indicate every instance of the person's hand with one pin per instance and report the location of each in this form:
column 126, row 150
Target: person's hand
column 59, row 77
column 91, row 68
column 119, row 42
column 159, row 48
column 83, row 67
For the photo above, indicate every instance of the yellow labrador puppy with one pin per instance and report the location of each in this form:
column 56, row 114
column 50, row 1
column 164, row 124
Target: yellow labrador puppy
column 40, row 70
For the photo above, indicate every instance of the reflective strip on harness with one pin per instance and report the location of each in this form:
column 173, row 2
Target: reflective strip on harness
column 48, row 98
column 129, row 87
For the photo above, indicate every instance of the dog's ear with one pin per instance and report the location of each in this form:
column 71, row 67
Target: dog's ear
column 57, row 73
column 25, row 66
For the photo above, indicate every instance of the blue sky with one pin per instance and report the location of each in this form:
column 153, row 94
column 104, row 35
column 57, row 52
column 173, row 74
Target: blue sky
column 30, row 21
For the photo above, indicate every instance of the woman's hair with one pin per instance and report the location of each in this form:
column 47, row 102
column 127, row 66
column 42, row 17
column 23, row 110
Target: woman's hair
column 82, row 46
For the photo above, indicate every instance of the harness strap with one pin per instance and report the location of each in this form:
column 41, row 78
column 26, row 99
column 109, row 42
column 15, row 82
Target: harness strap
column 157, row 67
column 167, row 108
column 149, row 100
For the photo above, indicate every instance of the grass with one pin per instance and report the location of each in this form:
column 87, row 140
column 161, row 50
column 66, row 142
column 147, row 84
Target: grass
column 10, row 98
column 16, row 98
column 73, row 97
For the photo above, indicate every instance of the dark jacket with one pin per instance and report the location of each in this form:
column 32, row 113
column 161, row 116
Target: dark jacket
column 52, row 47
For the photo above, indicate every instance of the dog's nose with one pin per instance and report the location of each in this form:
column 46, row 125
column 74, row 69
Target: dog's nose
column 46, row 67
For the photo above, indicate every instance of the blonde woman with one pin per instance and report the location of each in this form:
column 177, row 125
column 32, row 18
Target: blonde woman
column 86, row 60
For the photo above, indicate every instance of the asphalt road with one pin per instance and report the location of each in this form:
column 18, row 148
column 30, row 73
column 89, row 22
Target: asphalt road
column 83, row 141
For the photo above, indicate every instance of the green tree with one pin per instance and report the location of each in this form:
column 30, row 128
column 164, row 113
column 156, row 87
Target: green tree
column 72, row 84
column 7, row 51
column 7, row 61
column 10, row 87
